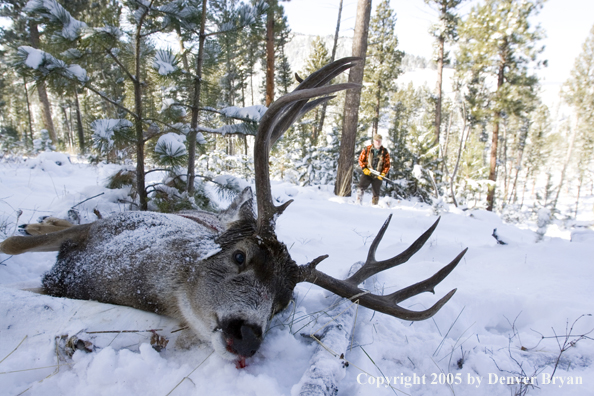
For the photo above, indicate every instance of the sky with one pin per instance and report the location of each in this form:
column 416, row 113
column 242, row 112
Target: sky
column 567, row 24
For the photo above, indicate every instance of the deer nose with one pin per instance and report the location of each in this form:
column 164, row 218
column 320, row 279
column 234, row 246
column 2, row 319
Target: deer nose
column 242, row 338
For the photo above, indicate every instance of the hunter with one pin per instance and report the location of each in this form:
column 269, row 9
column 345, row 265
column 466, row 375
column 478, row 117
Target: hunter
column 374, row 157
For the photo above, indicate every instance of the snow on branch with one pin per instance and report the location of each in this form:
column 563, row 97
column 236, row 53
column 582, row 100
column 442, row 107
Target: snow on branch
column 180, row 11
column 243, row 16
column 235, row 129
column 46, row 63
column 251, row 113
column 165, row 62
column 171, row 145
column 50, row 9
column 104, row 130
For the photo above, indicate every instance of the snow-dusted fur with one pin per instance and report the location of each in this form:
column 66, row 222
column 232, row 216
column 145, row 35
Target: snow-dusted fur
column 181, row 267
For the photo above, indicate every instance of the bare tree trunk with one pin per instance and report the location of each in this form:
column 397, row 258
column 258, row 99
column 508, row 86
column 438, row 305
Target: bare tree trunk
column 332, row 57
column 344, row 174
column 46, row 113
column 566, row 164
column 522, row 147
column 69, row 137
column 524, row 187
column 378, row 99
column 28, row 110
column 460, row 149
column 505, row 170
column 196, row 104
column 270, row 53
column 182, row 49
column 438, row 88
column 495, row 141
column 140, row 183
column 444, row 150
column 79, row 124
column 577, row 200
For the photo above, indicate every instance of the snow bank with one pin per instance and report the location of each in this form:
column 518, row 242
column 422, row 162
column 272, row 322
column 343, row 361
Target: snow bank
column 54, row 162
column 507, row 296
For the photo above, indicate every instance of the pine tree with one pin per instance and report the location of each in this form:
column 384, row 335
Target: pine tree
column 411, row 143
column 498, row 41
column 579, row 93
column 344, row 172
column 382, row 66
column 443, row 31
column 282, row 36
column 317, row 59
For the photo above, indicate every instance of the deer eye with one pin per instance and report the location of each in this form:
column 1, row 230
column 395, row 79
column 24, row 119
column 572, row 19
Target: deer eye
column 239, row 257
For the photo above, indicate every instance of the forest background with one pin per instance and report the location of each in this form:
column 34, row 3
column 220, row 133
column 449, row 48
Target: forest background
column 146, row 83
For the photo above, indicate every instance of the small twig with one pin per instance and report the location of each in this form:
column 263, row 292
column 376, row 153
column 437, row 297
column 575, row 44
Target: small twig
column 448, row 332
column 3, row 261
column 16, row 223
column 122, row 331
column 17, row 347
column 36, row 368
column 188, row 376
column 88, row 199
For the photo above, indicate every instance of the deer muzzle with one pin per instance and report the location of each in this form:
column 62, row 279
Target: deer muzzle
column 242, row 338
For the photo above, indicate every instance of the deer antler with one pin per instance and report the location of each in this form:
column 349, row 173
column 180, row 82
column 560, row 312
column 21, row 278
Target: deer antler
column 277, row 119
column 387, row 304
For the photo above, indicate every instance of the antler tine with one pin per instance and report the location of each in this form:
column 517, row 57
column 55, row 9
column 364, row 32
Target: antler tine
column 373, row 267
column 317, row 79
column 298, row 111
column 388, row 304
column 277, row 114
column 384, row 304
column 428, row 285
column 327, row 73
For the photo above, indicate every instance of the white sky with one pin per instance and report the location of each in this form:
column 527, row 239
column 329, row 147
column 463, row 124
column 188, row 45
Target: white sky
column 567, row 24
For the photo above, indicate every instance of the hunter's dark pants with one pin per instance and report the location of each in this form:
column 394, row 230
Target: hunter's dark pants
column 376, row 184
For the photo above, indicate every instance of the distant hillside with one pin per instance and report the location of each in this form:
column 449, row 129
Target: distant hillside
column 417, row 69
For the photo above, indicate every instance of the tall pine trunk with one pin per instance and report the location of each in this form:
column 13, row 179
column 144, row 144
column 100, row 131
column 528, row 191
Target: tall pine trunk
column 196, row 104
column 28, row 110
column 344, row 174
column 270, row 52
column 138, row 124
column 79, row 124
column 566, row 164
column 46, row 113
column 438, row 88
column 495, row 141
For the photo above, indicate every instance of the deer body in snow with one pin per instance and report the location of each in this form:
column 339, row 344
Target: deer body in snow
column 224, row 275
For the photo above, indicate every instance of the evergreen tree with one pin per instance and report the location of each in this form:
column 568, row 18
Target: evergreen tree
column 382, row 66
column 282, row 36
column 317, row 59
column 444, row 30
column 411, row 143
column 499, row 41
column 579, row 93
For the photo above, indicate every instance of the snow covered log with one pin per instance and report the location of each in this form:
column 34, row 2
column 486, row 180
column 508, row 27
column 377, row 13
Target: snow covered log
column 328, row 363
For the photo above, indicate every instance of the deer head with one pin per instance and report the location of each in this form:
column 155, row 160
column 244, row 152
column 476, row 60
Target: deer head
column 224, row 275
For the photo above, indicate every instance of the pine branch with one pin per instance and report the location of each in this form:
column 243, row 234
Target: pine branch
column 115, row 58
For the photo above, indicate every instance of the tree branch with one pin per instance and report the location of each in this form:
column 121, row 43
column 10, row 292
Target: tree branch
column 108, row 51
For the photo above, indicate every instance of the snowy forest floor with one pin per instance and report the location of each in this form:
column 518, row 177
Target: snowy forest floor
column 508, row 298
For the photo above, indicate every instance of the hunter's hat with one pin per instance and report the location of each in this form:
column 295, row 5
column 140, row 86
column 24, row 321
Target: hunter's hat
column 377, row 137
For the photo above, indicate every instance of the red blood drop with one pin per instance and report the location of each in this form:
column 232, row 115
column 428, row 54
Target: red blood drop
column 240, row 363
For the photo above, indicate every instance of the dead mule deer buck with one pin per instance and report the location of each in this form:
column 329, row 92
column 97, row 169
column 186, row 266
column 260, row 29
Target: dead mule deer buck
column 224, row 275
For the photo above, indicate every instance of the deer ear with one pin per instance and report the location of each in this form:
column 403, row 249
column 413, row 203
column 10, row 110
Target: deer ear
column 242, row 208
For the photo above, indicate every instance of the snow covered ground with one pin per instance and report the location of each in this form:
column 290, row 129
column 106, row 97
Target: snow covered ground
column 508, row 298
